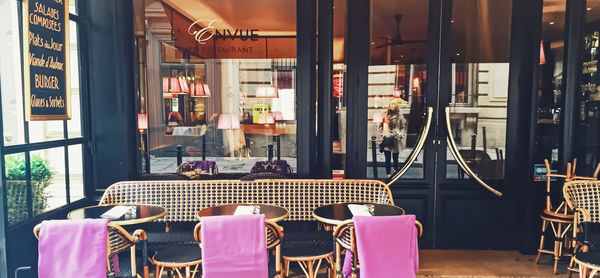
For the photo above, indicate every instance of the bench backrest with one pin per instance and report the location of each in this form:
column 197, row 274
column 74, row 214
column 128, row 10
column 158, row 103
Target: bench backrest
column 183, row 199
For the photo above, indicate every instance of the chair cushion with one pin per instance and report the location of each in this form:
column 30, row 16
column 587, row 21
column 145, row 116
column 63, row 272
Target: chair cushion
column 306, row 244
column 592, row 258
column 179, row 254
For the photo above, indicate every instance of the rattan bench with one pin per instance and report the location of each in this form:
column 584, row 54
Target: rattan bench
column 183, row 199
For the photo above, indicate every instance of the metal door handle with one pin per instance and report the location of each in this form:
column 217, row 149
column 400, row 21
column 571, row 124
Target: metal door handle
column 454, row 150
column 416, row 150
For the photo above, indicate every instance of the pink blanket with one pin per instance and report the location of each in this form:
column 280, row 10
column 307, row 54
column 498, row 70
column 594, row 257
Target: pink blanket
column 234, row 246
column 73, row 248
column 387, row 246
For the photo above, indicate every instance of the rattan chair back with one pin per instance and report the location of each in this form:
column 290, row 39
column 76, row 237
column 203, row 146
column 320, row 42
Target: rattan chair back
column 184, row 199
column 583, row 196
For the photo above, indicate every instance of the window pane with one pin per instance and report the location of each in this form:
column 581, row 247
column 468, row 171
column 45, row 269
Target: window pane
column 16, row 188
column 338, row 102
column 42, row 131
column 550, row 88
column 72, row 6
column 10, row 74
column 397, row 78
column 48, row 179
column 229, row 100
column 480, row 43
column 587, row 130
column 76, row 172
column 74, row 125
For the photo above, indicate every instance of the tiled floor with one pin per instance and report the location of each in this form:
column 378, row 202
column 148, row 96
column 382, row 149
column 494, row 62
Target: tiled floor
column 481, row 263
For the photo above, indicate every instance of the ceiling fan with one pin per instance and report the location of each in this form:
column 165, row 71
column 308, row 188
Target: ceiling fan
column 397, row 40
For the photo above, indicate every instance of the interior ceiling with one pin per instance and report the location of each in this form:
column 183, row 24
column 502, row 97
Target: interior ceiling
column 480, row 30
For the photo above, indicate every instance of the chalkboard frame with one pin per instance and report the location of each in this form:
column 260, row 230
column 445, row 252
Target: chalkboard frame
column 26, row 66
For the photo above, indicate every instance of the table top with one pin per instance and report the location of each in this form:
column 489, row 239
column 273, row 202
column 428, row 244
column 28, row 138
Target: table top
column 144, row 213
column 335, row 214
column 272, row 213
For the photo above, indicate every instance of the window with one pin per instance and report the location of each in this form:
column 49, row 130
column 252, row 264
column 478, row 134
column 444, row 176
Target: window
column 228, row 98
column 43, row 160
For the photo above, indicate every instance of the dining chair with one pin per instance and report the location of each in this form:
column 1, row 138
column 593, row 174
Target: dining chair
column 345, row 238
column 120, row 240
column 583, row 197
column 274, row 236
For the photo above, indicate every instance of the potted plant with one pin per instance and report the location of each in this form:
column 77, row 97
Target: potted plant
column 16, row 186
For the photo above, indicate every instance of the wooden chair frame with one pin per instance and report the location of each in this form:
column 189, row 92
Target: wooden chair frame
column 118, row 240
column 345, row 238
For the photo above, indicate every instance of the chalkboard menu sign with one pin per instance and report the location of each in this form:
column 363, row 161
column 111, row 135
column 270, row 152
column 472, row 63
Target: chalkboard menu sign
column 46, row 53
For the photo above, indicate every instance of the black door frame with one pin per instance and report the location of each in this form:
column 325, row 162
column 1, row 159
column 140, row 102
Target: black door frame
column 431, row 195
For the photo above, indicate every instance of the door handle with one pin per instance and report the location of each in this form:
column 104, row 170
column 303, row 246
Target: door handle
column 416, row 150
column 459, row 159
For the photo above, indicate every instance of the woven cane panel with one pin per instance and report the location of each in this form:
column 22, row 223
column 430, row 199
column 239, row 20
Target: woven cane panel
column 118, row 241
column 584, row 194
column 183, row 199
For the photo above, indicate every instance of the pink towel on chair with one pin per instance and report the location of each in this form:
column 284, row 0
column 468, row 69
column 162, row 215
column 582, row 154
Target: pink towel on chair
column 73, row 248
column 234, row 246
column 387, row 246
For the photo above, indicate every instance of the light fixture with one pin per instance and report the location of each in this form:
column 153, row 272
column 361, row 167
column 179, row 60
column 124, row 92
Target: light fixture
column 266, row 92
column 228, row 121
column 200, row 90
column 416, row 82
column 452, row 21
column 457, row 54
column 171, row 86
column 184, row 85
column 542, row 55
column 589, row 9
column 552, row 22
column 142, row 122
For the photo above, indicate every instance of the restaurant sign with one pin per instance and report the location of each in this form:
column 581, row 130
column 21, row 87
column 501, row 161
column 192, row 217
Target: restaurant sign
column 46, row 50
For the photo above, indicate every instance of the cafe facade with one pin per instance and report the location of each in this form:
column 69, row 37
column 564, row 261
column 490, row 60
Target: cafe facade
column 482, row 92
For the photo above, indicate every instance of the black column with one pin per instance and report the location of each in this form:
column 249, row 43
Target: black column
column 521, row 121
column 325, row 63
column 575, row 19
column 357, row 61
column 306, row 86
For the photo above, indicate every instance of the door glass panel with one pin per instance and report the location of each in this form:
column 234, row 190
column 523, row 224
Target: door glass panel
column 338, row 101
column 550, row 74
column 397, row 82
column 480, row 35
column 587, row 132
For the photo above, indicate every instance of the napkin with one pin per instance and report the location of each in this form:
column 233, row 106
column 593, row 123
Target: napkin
column 359, row 210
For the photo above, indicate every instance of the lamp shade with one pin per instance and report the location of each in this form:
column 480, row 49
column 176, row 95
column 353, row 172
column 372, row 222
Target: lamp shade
column 266, row 92
column 228, row 121
column 416, row 82
column 142, row 121
column 184, row 85
column 171, row 85
column 542, row 54
column 378, row 117
column 206, row 89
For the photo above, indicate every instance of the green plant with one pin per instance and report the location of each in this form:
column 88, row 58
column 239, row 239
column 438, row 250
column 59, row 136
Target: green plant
column 16, row 185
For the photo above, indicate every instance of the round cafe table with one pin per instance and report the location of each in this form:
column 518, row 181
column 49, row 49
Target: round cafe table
column 335, row 214
column 272, row 213
column 144, row 213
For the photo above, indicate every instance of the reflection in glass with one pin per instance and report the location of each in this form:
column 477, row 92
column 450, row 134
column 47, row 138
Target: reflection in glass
column 480, row 33
column 48, row 179
column 397, row 83
column 74, row 125
column 227, row 101
column 76, row 173
column 16, row 188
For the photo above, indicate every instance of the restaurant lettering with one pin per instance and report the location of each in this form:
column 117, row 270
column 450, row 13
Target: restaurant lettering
column 202, row 35
column 46, row 46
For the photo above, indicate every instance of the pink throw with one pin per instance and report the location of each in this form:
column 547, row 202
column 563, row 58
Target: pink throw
column 73, row 248
column 387, row 246
column 234, row 246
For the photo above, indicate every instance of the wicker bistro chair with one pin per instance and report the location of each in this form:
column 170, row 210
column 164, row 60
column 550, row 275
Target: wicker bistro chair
column 309, row 250
column 345, row 238
column 118, row 241
column 583, row 196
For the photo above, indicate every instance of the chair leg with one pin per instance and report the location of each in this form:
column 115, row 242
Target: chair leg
column 539, row 254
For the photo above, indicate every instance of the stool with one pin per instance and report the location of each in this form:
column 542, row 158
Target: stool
column 309, row 254
column 178, row 259
column 560, row 227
